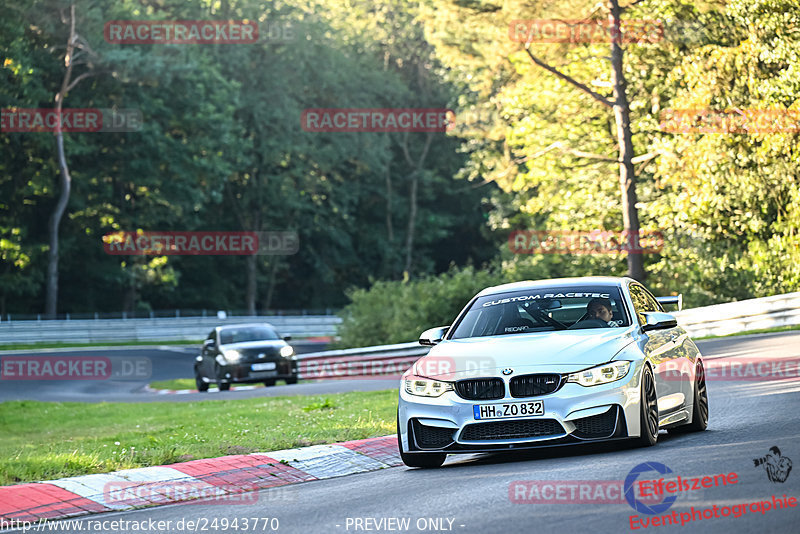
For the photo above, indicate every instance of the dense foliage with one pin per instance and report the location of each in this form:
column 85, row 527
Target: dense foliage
column 222, row 149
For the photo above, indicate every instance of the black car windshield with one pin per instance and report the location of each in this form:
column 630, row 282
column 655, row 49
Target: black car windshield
column 249, row 333
column 543, row 310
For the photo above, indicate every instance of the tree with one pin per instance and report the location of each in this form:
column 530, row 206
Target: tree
column 76, row 47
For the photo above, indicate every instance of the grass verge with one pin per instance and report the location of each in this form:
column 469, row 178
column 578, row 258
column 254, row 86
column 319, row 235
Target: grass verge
column 188, row 383
column 44, row 440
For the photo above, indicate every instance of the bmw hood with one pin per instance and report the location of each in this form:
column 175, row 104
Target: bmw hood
column 561, row 351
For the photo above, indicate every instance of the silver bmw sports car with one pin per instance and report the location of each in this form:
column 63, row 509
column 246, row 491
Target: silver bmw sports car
column 551, row 362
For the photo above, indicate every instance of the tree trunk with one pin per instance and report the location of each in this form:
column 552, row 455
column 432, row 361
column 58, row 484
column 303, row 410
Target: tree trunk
column 271, row 287
column 621, row 108
column 51, row 298
column 252, row 262
column 252, row 284
column 55, row 222
column 389, row 226
column 412, row 220
column 416, row 171
column 131, row 294
column 627, row 176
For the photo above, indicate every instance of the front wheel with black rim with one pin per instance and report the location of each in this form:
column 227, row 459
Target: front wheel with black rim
column 292, row 380
column 699, row 407
column 201, row 384
column 425, row 460
column 222, row 386
column 648, row 418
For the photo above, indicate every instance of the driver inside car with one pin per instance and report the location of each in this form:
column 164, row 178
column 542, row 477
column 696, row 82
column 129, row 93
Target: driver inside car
column 598, row 308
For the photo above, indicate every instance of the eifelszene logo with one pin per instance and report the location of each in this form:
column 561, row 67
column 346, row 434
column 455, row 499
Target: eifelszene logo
column 638, row 505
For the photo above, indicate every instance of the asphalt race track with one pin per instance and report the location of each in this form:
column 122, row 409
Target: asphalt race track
column 139, row 366
column 477, row 493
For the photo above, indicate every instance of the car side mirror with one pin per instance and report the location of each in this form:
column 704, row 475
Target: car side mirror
column 208, row 343
column 287, row 338
column 658, row 321
column 674, row 300
column 433, row 336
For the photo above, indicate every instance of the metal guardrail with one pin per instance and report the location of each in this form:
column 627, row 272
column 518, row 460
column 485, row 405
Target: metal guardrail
column 390, row 361
column 386, row 361
column 741, row 316
column 157, row 329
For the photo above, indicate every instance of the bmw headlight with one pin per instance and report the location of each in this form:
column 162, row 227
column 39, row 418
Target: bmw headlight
column 232, row 356
column 425, row 387
column 602, row 374
column 287, row 351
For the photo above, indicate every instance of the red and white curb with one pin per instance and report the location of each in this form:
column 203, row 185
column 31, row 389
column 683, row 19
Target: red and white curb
column 214, row 478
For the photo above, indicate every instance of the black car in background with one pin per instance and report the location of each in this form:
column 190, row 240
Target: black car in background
column 245, row 353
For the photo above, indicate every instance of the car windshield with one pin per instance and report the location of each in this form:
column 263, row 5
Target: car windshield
column 543, row 310
column 249, row 333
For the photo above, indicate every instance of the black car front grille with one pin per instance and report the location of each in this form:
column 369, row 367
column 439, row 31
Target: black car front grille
column 254, row 355
column 481, row 389
column 596, row 426
column 534, row 385
column 500, row 430
column 432, row 437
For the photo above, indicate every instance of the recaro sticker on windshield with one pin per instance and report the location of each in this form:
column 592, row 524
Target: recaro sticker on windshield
column 523, row 298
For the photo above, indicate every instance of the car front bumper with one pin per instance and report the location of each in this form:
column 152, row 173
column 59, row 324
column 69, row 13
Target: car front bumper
column 573, row 414
column 244, row 373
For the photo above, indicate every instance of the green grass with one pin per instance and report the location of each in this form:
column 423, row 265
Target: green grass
column 44, row 345
column 43, row 440
column 181, row 383
column 759, row 331
column 188, row 383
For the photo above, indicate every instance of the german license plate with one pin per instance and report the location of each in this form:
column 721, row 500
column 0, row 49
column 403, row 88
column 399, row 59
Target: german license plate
column 512, row 409
column 266, row 366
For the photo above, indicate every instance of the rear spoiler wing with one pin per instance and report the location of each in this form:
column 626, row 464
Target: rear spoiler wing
column 674, row 300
